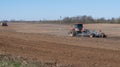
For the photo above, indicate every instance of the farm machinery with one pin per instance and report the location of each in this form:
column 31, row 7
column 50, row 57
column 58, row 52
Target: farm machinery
column 4, row 23
column 79, row 30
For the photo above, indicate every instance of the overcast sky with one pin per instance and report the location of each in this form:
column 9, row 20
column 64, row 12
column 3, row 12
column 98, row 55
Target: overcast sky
column 53, row 9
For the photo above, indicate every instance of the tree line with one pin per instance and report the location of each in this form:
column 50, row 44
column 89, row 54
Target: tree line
column 89, row 19
column 76, row 19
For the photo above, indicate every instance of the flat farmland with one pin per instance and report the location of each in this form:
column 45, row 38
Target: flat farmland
column 50, row 43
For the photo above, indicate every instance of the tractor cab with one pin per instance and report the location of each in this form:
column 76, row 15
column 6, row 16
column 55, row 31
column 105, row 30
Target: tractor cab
column 78, row 27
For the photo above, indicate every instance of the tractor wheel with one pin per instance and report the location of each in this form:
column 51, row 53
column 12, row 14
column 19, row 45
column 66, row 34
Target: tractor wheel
column 92, row 35
column 103, row 35
column 72, row 34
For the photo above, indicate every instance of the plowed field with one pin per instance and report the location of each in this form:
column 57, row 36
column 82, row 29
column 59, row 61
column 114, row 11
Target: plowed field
column 50, row 43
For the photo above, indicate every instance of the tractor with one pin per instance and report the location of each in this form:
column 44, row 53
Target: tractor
column 79, row 30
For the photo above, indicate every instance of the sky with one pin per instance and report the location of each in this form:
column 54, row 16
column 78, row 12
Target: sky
column 57, row 9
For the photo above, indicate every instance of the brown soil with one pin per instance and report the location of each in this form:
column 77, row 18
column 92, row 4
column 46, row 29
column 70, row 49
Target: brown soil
column 76, row 51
